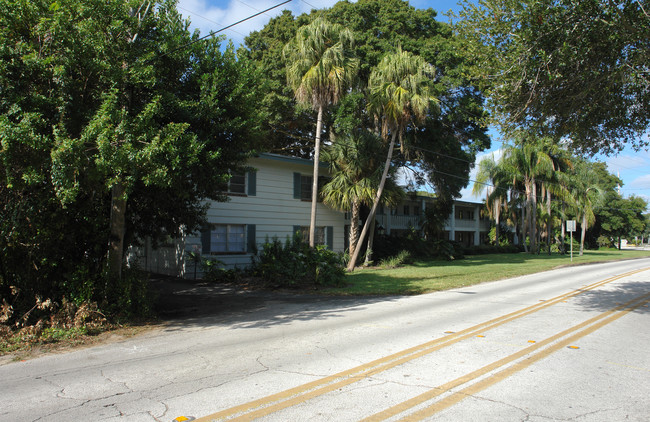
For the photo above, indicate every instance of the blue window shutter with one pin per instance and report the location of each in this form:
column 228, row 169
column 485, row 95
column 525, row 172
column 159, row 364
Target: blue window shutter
column 251, row 246
column 252, row 183
column 329, row 235
column 205, row 239
column 296, row 185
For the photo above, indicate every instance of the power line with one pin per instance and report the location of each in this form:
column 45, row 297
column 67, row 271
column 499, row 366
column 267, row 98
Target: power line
column 212, row 33
column 207, row 19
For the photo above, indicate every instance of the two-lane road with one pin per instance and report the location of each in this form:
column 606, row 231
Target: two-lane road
column 568, row 344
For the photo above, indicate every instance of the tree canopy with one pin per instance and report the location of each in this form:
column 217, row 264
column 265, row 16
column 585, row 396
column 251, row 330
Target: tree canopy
column 573, row 69
column 97, row 95
column 454, row 128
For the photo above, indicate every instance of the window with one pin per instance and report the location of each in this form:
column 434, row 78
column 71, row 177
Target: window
column 406, row 210
column 228, row 238
column 237, row 183
column 464, row 215
column 416, row 210
column 305, row 187
column 302, row 186
column 319, row 235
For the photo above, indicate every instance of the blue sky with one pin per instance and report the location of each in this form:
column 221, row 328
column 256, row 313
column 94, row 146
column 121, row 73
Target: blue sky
column 210, row 15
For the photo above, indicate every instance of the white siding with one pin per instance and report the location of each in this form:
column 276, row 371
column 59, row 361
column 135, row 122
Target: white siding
column 273, row 210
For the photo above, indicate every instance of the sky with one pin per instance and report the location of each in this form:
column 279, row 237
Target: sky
column 211, row 15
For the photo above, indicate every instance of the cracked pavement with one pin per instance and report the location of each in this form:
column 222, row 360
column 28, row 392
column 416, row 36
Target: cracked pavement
column 255, row 344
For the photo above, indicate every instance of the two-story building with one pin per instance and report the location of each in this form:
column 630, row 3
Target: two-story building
column 274, row 201
column 464, row 225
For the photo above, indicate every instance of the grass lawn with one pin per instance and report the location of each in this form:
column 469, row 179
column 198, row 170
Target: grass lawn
column 431, row 276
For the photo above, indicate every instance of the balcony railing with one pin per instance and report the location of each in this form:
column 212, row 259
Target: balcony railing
column 400, row 221
column 483, row 225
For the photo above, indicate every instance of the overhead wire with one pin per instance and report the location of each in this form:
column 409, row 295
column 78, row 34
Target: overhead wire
column 207, row 19
column 212, row 33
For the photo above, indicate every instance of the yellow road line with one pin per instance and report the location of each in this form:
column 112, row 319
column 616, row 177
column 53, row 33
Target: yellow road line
column 592, row 325
column 302, row 393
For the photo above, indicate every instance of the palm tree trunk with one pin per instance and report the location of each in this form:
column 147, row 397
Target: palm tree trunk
column 354, row 225
column 533, row 219
column 563, row 222
column 524, row 226
column 371, row 240
column 529, row 219
column 583, row 230
column 375, row 203
column 497, row 214
column 314, row 186
column 549, row 225
column 117, row 229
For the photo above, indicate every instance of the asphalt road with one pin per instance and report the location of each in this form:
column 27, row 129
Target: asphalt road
column 569, row 344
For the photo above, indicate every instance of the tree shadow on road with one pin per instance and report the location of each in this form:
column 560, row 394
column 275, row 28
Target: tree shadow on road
column 611, row 296
column 187, row 303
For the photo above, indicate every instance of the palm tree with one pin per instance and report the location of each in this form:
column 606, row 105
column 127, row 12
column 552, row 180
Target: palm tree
column 491, row 175
column 399, row 95
column 526, row 164
column 320, row 68
column 555, row 185
column 587, row 196
column 356, row 175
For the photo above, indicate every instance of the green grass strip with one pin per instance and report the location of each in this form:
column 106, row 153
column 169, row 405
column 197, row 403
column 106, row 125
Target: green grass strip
column 431, row 276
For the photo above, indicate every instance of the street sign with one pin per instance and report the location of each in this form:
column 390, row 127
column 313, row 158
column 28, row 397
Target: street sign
column 571, row 225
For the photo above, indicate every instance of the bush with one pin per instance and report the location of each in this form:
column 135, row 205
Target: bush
column 386, row 247
column 214, row 270
column 129, row 297
column 490, row 249
column 604, row 242
column 404, row 257
column 294, row 264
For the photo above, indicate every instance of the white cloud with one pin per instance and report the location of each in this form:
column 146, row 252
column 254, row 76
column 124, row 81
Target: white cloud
column 622, row 163
column 642, row 182
column 210, row 15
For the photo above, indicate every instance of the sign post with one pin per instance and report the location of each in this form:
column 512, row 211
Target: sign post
column 571, row 227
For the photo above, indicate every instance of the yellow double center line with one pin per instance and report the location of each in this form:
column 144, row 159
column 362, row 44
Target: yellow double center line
column 302, row 393
column 593, row 324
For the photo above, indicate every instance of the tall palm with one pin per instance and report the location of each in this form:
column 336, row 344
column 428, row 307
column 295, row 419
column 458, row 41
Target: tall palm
column 491, row 179
column 354, row 162
column 320, row 68
column 526, row 164
column 399, row 95
column 587, row 196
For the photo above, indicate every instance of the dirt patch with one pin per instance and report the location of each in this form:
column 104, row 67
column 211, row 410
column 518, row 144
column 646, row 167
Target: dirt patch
column 111, row 336
column 174, row 299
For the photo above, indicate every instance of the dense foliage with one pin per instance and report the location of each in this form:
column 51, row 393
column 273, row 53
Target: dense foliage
column 576, row 68
column 536, row 187
column 452, row 129
column 113, row 127
column 294, row 264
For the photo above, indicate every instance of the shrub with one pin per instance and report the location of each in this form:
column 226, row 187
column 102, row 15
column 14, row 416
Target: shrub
column 214, row 270
column 389, row 246
column 129, row 297
column 404, row 257
column 490, row 249
column 294, row 264
column 604, row 242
